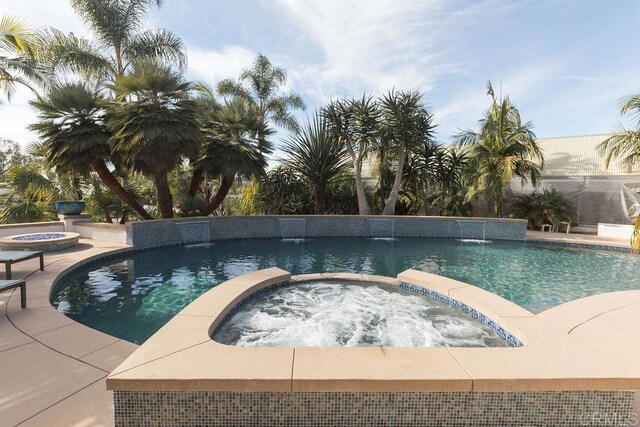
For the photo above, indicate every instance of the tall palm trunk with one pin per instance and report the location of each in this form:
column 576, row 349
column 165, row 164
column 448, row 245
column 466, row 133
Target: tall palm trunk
column 120, row 192
column 216, row 200
column 163, row 192
column 319, row 199
column 196, row 179
column 390, row 206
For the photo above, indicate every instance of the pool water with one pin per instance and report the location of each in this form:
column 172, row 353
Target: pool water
column 133, row 298
column 332, row 313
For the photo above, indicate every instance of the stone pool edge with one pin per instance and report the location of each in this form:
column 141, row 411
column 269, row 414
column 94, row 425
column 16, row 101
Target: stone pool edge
column 179, row 356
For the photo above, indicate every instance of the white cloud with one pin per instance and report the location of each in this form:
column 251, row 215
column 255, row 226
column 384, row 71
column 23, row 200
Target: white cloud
column 212, row 66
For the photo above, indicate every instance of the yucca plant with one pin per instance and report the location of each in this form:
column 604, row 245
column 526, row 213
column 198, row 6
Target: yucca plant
column 317, row 158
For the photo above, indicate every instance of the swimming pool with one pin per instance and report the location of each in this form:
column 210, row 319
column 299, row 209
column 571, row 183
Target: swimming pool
column 134, row 297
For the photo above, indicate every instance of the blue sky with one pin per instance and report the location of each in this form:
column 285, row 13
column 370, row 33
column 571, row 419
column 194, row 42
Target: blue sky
column 565, row 64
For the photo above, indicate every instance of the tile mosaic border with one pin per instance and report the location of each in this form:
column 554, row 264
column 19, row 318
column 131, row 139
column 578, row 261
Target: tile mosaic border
column 552, row 408
column 475, row 314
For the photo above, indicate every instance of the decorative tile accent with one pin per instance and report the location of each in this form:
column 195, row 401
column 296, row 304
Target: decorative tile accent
column 511, row 339
column 542, row 408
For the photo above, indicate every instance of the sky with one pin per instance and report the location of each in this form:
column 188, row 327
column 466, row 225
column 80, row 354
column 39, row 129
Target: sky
column 565, row 63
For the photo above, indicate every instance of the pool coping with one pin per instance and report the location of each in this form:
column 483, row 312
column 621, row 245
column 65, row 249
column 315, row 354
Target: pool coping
column 90, row 402
column 179, row 356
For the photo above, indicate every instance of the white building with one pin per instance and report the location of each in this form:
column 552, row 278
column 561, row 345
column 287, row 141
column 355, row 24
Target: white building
column 574, row 166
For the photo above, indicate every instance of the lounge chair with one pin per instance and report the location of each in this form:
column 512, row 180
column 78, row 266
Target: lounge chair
column 6, row 285
column 12, row 257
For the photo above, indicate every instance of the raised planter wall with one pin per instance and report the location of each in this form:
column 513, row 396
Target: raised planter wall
column 147, row 234
column 101, row 231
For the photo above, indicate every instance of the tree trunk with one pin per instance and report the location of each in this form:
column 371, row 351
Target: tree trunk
column 196, row 179
column 425, row 199
column 363, row 203
column 105, row 175
column 499, row 207
column 319, row 199
column 163, row 193
column 218, row 198
column 390, row 207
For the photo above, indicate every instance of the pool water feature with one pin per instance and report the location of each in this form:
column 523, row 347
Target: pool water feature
column 338, row 313
column 133, row 297
column 39, row 236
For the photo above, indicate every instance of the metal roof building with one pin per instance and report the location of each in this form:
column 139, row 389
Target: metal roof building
column 574, row 166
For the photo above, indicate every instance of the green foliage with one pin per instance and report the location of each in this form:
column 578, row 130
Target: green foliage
column 504, row 147
column 18, row 51
column 32, row 190
column 548, row 207
column 71, row 127
column 247, row 199
column 10, row 153
column 117, row 41
column 281, row 191
column 342, row 196
column 316, row 157
column 260, row 86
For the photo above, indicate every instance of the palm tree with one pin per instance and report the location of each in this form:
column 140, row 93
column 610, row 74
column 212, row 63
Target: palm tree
column 260, row 85
column 75, row 137
column 548, row 207
column 624, row 145
column 159, row 125
column 354, row 124
column 316, row 157
column 117, row 42
column 235, row 144
column 407, row 124
column 17, row 57
column 503, row 148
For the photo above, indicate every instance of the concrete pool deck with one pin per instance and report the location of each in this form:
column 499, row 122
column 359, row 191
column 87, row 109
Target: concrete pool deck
column 53, row 370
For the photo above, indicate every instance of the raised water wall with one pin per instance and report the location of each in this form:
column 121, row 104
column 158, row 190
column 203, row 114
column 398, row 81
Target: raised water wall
column 149, row 234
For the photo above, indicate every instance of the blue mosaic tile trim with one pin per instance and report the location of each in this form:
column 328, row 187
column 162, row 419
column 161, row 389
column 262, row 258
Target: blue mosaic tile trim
column 245, row 300
column 623, row 249
column 475, row 314
column 39, row 236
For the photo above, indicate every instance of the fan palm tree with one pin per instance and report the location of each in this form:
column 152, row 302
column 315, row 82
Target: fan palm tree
column 235, row 144
column 407, row 124
column 354, row 124
column 159, row 125
column 17, row 57
column 503, row 148
column 624, row 146
column 316, row 157
column 117, row 41
column 75, row 138
column 260, row 85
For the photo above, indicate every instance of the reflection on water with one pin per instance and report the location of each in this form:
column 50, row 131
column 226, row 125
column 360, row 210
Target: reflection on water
column 133, row 298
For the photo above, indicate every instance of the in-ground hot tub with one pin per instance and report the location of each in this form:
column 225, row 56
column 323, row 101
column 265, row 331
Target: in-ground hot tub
column 352, row 313
column 45, row 242
column 182, row 376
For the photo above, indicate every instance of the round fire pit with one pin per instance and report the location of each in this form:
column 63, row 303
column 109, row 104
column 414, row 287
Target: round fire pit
column 45, row 242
